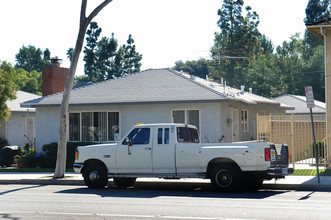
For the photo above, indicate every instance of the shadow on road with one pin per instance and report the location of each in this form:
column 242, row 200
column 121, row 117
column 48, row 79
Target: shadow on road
column 19, row 189
column 157, row 189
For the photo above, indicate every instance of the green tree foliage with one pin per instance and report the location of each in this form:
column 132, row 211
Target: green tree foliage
column 316, row 10
column 7, row 89
column 200, row 68
column 28, row 81
column 237, row 40
column 31, row 58
column 92, row 35
column 242, row 56
column 104, row 59
column 132, row 58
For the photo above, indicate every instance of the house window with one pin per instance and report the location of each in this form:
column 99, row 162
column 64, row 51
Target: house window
column 186, row 117
column 74, row 126
column 244, row 120
column 93, row 126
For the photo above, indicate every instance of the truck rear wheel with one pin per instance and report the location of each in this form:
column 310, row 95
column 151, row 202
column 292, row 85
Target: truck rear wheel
column 225, row 177
column 95, row 176
column 124, row 182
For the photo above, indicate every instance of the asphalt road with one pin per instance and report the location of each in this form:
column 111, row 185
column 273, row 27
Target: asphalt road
column 158, row 201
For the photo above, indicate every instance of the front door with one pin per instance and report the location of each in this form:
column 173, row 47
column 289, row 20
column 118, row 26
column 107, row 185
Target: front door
column 138, row 157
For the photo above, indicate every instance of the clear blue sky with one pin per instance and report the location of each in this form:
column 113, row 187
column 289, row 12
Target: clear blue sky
column 164, row 30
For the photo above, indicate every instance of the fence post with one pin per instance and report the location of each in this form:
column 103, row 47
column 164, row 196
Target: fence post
column 257, row 127
column 292, row 141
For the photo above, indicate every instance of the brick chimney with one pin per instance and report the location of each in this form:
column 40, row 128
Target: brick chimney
column 53, row 78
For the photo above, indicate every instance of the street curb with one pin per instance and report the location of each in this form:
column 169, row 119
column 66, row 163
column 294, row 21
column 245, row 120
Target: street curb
column 75, row 182
column 298, row 187
column 44, row 182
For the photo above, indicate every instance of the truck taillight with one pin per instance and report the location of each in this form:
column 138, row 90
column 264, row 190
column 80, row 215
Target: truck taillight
column 267, row 154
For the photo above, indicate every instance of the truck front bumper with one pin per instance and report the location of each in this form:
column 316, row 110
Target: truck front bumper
column 78, row 167
column 280, row 171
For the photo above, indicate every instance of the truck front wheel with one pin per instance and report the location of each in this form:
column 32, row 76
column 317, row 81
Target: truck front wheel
column 225, row 177
column 95, row 176
column 124, row 182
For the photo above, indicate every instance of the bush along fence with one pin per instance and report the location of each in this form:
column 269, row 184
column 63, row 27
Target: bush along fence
column 29, row 158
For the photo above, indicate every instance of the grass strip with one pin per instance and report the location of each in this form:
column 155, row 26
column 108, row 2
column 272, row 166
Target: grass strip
column 310, row 172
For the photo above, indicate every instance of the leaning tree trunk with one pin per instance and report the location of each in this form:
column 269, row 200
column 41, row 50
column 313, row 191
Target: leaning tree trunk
column 62, row 144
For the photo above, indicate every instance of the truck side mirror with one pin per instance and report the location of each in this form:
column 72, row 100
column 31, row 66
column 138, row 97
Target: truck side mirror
column 129, row 141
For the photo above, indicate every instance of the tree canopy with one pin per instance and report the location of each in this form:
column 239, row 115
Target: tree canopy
column 7, row 89
column 31, row 58
column 105, row 59
column 241, row 55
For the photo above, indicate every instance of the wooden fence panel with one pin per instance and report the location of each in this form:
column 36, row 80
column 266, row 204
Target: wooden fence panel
column 296, row 131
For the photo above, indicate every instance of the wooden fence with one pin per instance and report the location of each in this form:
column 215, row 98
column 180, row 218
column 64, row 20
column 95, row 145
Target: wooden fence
column 296, row 131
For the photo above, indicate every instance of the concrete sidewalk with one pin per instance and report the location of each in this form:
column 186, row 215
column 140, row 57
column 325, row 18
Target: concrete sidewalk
column 309, row 183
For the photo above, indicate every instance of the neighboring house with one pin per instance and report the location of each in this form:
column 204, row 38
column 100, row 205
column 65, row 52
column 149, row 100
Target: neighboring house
column 105, row 111
column 19, row 128
column 300, row 105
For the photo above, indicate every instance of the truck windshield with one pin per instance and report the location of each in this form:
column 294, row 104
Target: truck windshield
column 187, row 135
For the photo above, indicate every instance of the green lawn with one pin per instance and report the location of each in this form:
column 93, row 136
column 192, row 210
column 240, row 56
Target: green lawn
column 309, row 172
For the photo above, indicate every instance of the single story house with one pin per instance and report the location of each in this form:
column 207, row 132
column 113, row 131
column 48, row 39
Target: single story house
column 19, row 128
column 300, row 105
column 105, row 111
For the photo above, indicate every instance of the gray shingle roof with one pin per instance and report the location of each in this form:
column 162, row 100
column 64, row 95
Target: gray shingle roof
column 300, row 105
column 151, row 86
column 14, row 105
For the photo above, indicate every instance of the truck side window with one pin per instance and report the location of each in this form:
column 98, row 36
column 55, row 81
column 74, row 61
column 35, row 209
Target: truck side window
column 139, row 136
column 187, row 135
column 159, row 135
column 166, row 136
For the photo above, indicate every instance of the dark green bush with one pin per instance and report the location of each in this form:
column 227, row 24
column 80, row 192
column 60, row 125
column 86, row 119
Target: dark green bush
column 3, row 143
column 50, row 153
column 319, row 147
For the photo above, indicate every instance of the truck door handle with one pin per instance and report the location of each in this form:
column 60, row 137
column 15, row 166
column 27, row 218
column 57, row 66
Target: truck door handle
column 147, row 148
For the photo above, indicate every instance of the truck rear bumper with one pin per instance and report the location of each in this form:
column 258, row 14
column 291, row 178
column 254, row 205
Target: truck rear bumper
column 78, row 167
column 280, row 171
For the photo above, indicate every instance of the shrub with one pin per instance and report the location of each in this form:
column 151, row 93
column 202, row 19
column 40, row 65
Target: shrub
column 50, row 153
column 319, row 147
column 3, row 143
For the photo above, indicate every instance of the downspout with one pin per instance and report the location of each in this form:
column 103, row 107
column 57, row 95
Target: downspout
column 326, row 94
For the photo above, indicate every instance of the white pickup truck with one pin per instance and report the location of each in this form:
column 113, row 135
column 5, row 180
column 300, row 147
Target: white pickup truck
column 174, row 151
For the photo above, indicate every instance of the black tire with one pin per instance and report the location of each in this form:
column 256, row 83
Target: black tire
column 124, row 182
column 95, row 176
column 225, row 177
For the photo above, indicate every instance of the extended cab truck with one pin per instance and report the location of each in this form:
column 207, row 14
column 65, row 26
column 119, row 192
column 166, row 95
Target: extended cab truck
column 174, row 151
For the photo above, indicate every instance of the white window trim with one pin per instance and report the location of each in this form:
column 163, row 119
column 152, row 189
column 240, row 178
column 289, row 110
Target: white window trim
column 244, row 122
column 186, row 115
column 81, row 127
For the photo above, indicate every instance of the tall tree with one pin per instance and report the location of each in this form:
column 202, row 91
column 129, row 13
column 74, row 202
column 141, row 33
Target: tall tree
column 132, row 58
column 7, row 89
column 107, row 48
column 90, row 51
column 31, row 58
column 62, row 144
column 237, row 40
